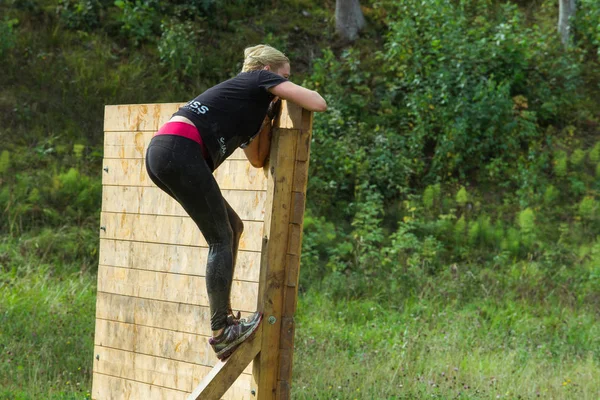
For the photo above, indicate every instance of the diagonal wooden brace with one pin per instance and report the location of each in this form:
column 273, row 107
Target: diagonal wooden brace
column 224, row 373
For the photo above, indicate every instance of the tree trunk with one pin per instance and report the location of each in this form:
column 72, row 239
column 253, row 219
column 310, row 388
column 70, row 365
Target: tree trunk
column 565, row 17
column 349, row 19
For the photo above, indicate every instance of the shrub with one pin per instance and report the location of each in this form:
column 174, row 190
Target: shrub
column 588, row 208
column 8, row 36
column 177, row 48
column 139, row 19
column 560, row 164
column 80, row 14
column 462, row 197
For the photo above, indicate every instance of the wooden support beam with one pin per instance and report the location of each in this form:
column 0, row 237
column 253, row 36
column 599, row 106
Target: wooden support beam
column 224, row 373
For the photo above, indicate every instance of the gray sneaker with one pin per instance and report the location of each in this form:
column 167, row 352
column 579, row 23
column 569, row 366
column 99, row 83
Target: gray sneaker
column 234, row 334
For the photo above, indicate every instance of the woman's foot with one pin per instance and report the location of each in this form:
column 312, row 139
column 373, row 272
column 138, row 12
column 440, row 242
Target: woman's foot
column 234, row 334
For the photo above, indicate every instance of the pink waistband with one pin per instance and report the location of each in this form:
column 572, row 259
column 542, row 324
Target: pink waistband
column 185, row 130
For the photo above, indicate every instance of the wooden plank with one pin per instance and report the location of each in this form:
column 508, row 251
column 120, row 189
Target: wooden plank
column 168, row 230
column 138, row 117
column 106, row 387
column 249, row 205
column 155, row 313
column 222, row 376
column 158, row 371
column 285, row 365
column 283, row 390
column 231, row 175
column 287, row 334
column 303, row 150
column 240, row 390
column 301, row 176
column 293, row 266
column 273, row 270
column 189, row 260
column 134, row 145
column 156, row 342
column 290, row 302
column 298, row 201
column 186, row 289
column 290, row 116
column 294, row 241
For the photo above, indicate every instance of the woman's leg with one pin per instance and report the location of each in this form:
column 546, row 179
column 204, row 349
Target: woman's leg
column 237, row 226
column 179, row 167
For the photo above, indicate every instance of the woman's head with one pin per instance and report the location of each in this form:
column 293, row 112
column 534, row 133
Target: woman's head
column 266, row 57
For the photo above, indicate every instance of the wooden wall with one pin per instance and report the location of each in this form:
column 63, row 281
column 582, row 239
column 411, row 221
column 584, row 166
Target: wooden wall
column 152, row 315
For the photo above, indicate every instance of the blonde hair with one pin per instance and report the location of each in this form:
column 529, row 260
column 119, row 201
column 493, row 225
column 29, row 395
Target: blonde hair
column 258, row 57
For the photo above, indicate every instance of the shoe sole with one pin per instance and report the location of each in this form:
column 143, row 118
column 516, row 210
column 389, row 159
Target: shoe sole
column 226, row 352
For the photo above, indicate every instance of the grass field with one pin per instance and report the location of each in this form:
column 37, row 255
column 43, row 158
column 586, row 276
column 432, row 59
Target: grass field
column 417, row 349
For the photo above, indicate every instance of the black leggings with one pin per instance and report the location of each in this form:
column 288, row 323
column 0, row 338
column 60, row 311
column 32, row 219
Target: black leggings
column 175, row 164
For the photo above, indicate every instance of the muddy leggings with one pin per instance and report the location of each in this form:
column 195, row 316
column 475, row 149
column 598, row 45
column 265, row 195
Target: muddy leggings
column 175, row 164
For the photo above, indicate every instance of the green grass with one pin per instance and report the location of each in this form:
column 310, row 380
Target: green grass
column 46, row 330
column 428, row 349
column 352, row 349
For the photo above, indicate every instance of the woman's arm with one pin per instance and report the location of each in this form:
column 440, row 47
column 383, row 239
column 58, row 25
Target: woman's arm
column 258, row 150
column 306, row 98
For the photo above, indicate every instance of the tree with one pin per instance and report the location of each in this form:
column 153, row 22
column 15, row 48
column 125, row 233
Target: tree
column 349, row 19
column 566, row 14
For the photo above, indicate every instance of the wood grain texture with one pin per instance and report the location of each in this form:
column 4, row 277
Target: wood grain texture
column 231, row 175
column 151, row 200
column 186, row 318
column 187, row 260
column 176, row 288
column 272, row 279
column 159, row 371
column 134, row 145
column 105, row 387
column 168, row 230
column 156, row 342
column 138, row 117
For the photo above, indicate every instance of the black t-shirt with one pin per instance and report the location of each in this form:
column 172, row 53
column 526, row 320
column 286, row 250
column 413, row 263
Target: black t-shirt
column 230, row 114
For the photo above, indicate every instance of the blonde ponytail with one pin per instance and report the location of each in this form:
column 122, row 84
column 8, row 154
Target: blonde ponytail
column 258, row 57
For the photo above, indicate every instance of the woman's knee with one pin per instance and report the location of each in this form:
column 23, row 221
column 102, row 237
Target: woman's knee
column 237, row 226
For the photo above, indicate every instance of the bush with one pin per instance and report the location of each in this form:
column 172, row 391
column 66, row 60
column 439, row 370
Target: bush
column 178, row 49
column 8, row 36
column 139, row 19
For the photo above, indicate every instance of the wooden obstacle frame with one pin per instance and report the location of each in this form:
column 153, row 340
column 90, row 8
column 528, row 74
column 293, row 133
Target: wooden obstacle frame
column 152, row 314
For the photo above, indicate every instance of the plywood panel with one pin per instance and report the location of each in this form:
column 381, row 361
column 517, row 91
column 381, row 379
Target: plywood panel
column 111, row 388
column 249, row 205
column 134, row 145
column 176, row 288
column 138, row 117
column 143, row 368
column 168, row 230
column 190, row 260
column 232, row 174
column 155, row 313
column 164, row 343
column 158, row 371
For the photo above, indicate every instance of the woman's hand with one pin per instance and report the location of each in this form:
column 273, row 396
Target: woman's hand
column 258, row 150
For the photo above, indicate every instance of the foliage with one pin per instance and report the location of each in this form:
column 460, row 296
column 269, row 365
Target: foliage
column 177, row 49
column 139, row 19
column 587, row 23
